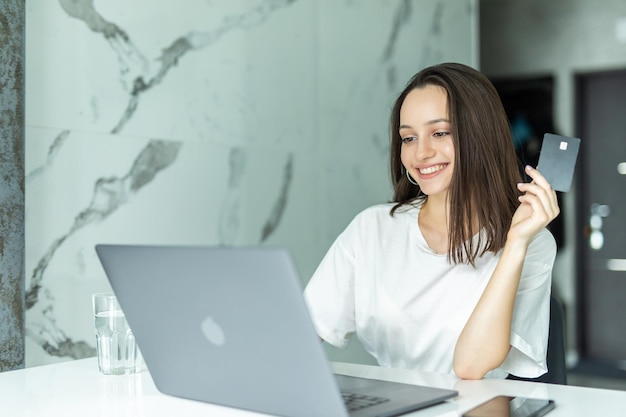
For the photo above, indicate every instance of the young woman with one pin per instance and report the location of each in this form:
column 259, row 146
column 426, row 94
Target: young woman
column 454, row 275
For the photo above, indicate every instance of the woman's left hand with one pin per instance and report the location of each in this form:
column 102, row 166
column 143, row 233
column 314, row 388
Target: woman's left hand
column 538, row 207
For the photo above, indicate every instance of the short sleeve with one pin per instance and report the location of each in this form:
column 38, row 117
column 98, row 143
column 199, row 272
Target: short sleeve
column 330, row 293
column 531, row 314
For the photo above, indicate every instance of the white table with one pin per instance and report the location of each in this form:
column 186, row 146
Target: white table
column 76, row 388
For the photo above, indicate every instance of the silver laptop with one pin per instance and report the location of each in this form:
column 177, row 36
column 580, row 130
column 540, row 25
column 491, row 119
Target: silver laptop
column 229, row 326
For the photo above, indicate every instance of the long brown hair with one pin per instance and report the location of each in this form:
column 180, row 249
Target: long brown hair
column 486, row 169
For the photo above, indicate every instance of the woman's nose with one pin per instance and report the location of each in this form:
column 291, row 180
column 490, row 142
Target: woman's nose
column 424, row 149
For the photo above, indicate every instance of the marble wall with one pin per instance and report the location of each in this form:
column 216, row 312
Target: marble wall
column 207, row 122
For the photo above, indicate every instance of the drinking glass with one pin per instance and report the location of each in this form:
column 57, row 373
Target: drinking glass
column 117, row 351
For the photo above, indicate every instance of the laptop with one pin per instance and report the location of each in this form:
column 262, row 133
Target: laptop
column 230, row 326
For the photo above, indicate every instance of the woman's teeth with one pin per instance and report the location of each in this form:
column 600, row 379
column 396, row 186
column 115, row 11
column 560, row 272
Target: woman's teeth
column 432, row 169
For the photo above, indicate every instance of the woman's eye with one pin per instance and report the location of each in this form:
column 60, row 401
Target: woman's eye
column 408, row 139
column 441, row 134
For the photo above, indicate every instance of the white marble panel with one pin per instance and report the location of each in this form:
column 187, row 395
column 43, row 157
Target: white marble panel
column 205, row 122
column 134, row 190
column 369, row 51
column 220, row 71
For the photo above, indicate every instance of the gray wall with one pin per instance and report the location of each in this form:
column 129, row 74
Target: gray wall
column 11, row 184
column 560, row 38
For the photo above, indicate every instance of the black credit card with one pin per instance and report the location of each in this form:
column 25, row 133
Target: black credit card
column 557, row 160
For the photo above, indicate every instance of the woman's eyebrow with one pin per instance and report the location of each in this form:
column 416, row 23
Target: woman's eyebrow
column 434, row 121
column 430, row 122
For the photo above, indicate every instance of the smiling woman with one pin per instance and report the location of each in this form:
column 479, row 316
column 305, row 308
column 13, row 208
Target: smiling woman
column 481, row 150
column 454, row 274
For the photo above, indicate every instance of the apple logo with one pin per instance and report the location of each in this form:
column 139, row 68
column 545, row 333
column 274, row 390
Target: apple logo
column 212, row 331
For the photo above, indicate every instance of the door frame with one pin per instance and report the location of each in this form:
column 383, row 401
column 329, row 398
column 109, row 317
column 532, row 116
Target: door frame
column 586, row 363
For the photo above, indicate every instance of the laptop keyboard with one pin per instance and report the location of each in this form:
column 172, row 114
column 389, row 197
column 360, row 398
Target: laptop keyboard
column 356, row 402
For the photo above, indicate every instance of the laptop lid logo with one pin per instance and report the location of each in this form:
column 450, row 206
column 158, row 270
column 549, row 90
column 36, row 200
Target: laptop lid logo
column 212, row 331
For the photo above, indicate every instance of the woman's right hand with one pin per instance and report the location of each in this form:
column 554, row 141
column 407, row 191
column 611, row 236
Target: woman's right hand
column 538, row 207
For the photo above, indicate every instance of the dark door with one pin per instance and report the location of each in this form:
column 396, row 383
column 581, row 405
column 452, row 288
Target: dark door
column 601, row 207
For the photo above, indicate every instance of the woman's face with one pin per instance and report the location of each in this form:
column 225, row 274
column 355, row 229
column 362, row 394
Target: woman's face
column 427, row 150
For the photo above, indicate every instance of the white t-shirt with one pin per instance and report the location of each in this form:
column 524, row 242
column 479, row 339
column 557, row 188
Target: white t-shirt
column 408, row 304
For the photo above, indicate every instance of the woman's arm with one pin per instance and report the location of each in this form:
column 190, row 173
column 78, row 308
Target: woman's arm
column 485, row 340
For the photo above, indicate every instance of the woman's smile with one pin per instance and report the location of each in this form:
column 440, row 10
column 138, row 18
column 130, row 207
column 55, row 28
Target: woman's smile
column 430, row 171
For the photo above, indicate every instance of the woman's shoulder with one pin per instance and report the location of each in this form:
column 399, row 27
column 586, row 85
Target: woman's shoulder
column 384, row 209
column 382, row 214
column 376, row 209
column 376, row 224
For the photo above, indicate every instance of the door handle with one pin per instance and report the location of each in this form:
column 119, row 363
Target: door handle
column 594, row 232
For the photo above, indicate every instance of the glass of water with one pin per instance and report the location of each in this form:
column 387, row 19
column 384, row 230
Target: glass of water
column 117, row 351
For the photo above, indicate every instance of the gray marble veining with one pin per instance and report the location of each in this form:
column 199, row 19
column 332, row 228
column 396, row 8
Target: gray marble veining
column 281, row 202
column 139, row 74
column 109, row 194
column 229, row 223
column 53, row 151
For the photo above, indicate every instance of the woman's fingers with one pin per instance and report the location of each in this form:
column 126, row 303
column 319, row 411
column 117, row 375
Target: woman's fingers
column 539, row 195
column 537, row 177
column 541, row 180
column 541, row 210
column 540, row 198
